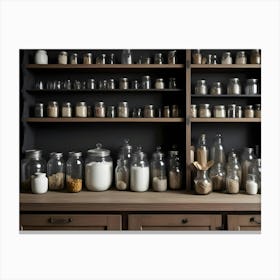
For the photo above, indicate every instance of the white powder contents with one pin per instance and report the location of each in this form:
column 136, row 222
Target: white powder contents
column 159, row 185
column 81, row 111
column 251, row 187
column 139, row 178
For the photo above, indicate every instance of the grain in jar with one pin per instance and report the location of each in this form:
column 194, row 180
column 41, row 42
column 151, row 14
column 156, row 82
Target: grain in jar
column 226, row 58
column 74, row 58
column 216, row 88
column 159, row 84
column 202, row 183
column 66, row 110
column 193, row 111
column 123, row 110
column 240, row 58
column 249, row 111
column 202, row 151
column 87, row 58
column 74, row 172
column 255, row 57
column 219, row 111
column 149, row 111
column 81, row 109
column 53, row 109
column 251, row 87
column 62, row 57
column 232, row 182
column 201, row 87
column 197, row 57
column 204, row 111
column 234, row 86
column 258, row 111
column 99, row 110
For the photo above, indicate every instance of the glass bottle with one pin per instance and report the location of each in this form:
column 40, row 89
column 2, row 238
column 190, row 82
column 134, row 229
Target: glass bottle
column 233, row 164
column 112, row 59
column 226, row 58
column 251, row 87
column 218, row 177
column 122, row 174
column 126, row 57
column 201, row 87
column 255, row 57
column 246, row 161
column 66, row 111
column 123, row 110
column 202, row 182
column 126, row 151
column 39, row 110
column 146, row 82
column 158, row 171
column 172, row 83
column 217, row 150
column 74, row 172
column 255, row 169
column 240, row 58
column 197, row 57
column 251, row 186
column 55, row 171
column 158, row 58
column 202, row 151
column 232, row 182
column 172, row 59
column 174, row 171
column 234, row 86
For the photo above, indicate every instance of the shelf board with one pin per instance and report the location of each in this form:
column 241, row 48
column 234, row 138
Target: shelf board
column 226, row 96
column 105, row 120
column 226, row 120
column 226, row 66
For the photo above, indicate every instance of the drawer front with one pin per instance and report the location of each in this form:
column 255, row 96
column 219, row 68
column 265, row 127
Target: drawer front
column 174, row 222
column 244, row 222
column 70, row 222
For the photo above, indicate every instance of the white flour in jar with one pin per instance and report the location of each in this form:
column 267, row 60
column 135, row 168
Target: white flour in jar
column 139, row 178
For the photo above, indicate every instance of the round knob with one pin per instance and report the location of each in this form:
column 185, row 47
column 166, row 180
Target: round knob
column 184, row 221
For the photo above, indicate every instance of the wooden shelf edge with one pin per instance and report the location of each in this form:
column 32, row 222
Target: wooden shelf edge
column 105, row 91
column 225, row 120
column 226, row 66
column 226, row 96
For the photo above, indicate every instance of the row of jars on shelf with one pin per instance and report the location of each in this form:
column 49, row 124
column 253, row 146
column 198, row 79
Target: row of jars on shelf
column 110, row 84
column 230, row 176
column 234, row 87
column 133, row 171
column 223, row 111
column 127, row 57
column 240, row 58
column 82, row 110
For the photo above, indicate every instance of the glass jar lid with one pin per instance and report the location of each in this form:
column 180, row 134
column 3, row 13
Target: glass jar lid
column 204, row 106
column 219, row 107
column 75, row 154
column 158, row 154
column 235, row 80
column 139, row 154
column 56, row 154
column 159, row 80
column 150, row 107
column 88, row 54
column 123, row 104
column 81, row 103
column 63, row 53
column 99, row 104
column 253, row 81
column 124, row 79
column 217, row 84
column 53, row 103
column 98, row 151
column 249, row 107
column 126, row 147
column 202, row 81
column 66, row 104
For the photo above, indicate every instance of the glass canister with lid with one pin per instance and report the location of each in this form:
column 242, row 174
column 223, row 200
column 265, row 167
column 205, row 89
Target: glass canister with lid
column 216, row 88
column 62, row 57
column 158, row 58
column 234, row 86
column 87, row 58
column 201, row 87
column 249, row 111
column 172, row 59
column 41, row 57
column 219, row 111
column 218, row 177
column 226, row 58
column 81, row 109
column 98, row 169
column 123, row 110
column 66, row 110
column 99, row 110
column 146, row 82
column 39, row 110
column 56, row 171
column 240, row 58
column 247, row 158
column 232, row 182
column 204, row 111
column 74, row 172
column 74, row 58
column 149, row 111
column 126, row 151
column 174, row 170
column 255, row 57
column 159, row 84
column 123, row 83
column 53, row 109
column 258, row 112
column 251, row 87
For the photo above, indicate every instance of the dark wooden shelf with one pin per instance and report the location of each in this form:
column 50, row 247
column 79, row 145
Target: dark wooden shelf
column 226, row 96
column 226, row 66
column 226, row 120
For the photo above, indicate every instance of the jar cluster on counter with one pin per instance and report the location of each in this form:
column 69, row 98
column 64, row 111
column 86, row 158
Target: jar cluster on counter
column 225, row 111
column 241, row 57
column 233, row 87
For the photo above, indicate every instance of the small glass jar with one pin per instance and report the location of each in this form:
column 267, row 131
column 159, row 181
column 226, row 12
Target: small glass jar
column 101, row 59
column 87, row 58
column 137, row 113
column 111, row 84
column 193, row 111
column 66, row 110
column 166, row 112
column 99, row 110
column 226, row 58
column 110, row 112
column 216, row 88
column 159, row 84
column 251, row 186
column 218, row 177
column 201, row 87
column 255, row 57
column 39, row 110
column 146, row 60
column 231, row 111
column 126, row 57
column 202, row 183
column 122, row 174
column 251, row 87
column 53, row 109
column 123, row 83
column 41, row 57
column 39, row 85
column 91, row 84
column 89, row 111
column 172, row 83
column 62, row 57
column 158, row 58
column 74, row 58
column 209, row 59
column 197, row 57
column 174, row 111
column 112, row 59
column 247, row 159
column 215, row 59
column 171, row 57
column 56, row 171
column 240, row 58
column 204, row 111
column 149, row 111
column 234, row 86
column 158, row 171
column 249, row 111
column 146, row 82
column 81, row 109
column 232, row 182
column 258, row 112
column 135, row 84
column 219, row 111
column 174, row 171
column 238, row 112
column 123, row 110
column 74, row 172
column 77, row 85
column 67, row 85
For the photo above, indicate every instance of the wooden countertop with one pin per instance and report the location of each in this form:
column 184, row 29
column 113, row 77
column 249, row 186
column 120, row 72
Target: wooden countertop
column 114, row 200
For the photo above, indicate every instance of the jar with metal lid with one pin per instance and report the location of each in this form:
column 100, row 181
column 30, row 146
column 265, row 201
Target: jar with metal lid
column 171, row 57
column 240, row 58
column 99, row 110
column 111, row 84
column 215, row 59
column 101, row 59
column 56, row 171
column 258, row 112
column 122, row 174
column 197, row 57
column 231, row 111
column 219, row 111
column 255, row 57
column 238, row 112
column 216, row 88
column 174, row 111
column 251, row 87
column 66, row 110
column 77, row 85
column 234, row 86
column 158, row 58
column 135, row 84
column 62, row 57
column 39, row 85
column 41, row 57
column 98, row 169
column 89, row 111
column 137, row 113
column 123, row 83
column 249, row 111
column 74, row 58
column 175, row 173
column 53, row 109
column 112, row 59
column 87, row 58
column 123, row 110
column 159, row 84
column 126, row 151
column 67, row 85
column 226, row 58
column 110, row 112
column 247, row 159
column 81, row 109
column 149, row 111
column 204, row 111
column 172, row 83
column 193, row 111
column 126, row 57
column 158, row 113
column 91, row 84
column 146, row 82
column 166, row 112
column 39, row 110
column 158, row 171
column 201, row 87
column 74, row 172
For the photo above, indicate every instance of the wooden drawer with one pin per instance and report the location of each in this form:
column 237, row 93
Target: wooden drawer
column 174, row 222
column 70, row 222
column 244, row 222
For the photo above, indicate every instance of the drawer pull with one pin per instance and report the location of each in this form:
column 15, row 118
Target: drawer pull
column 184, row 221
column 60, row 221
column 252, row 220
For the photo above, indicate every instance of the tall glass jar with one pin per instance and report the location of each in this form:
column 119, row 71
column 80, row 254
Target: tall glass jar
column 99, row 110
column 217, row 150
column 172, row 83
column 126, row 57
column 158, row 171
column 146, row 82
column 74, row 172
column 202, row 182
column 98, row 169
column 66, row 110
column 255, row 169
column 123, row 110
column 122, row 174
column 255, row 57
column 247, row 158
column 81, row 109
column 233, row 164
column 39, row 110
column 251, row 186
column 240, row 58
column 87, row 58
column 139, row 171
column 62, row 57
column 172, row 59
column 252, row 87
column 234, row 86
column 149, row 111
column 202, row 151
column 158, row 58
column 74, row 58
column 231, row 111
column 126, row 151
column 174, row 171
column 216, row 88
column 218, row 177
column 56, row 171
column 226, row 58
column 123, row 83
column 197, row 57
column 201, row 87
column 232, row 182
column 53, row 109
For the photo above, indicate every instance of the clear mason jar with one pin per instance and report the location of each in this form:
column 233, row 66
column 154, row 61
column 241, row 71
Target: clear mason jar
column 255, row 57
column 204, row 111
column 158, row 58
column 146, row 82
column 232, row 182
column 159, row 84
column 251, row 186
column 218, row 177
column 56, row 171
column 98, row 169
column 81, row 109
column 123, row 110
column 158, row 171
column 126, row 151
column 255, row 169
column 216, row 88
column 87, row 58
column 149, row 111
column 41, row 57
column 217, row 153
column 193, row 111
column 201, row 87
column 234, row 86
column 172, row 59
column 258, row 112
column 62, row 57
column 66, row 110
column 111, row 84
column 238, row 111
column 249, row 111
column 135, row 84
column 174, row 171
column 233, row 164
column 123, row 83
column 91, row 84
column 39, row 110
column 226, row 58
column 99, row 110
column 74, row 58
column 172, row 83
column 74, row 172
column 231, row 111
column 122, row 175
column 101, row 59
column 197, row 57
column 251, row 87
column 53, row 109
column 202, row 151
column 241, row 58
column 247, row 158
column 219, row 111
column 202, row 182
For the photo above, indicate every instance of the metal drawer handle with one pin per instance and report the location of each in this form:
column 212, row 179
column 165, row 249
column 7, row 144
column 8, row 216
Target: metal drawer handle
column 184, row 221
column 60, row 221
column 252, row 220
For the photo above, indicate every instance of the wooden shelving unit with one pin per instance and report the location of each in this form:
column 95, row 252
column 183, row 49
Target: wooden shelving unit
column 226, row 96
column 225, row 120
column 225, row 66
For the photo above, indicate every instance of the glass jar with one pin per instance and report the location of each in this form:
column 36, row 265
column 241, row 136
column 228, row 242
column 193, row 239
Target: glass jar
column 174, row 171
column 232, row 182
column 39, row 110
column 219, row 111
column 111, row 84
column 89, row 111
column 126, row 57
column 146, row 60
column 226, row 58
column 62, row 57
column 216, row 88
column 166, row 112
column 146, row 82
column 139, row 171
column 41, row 57
column 126, row 151
column 233, row 164
column 193, row 111
column 240, row 58
column 53, row 109
column 231, row 111
column 39, row 85
column 255, row 57
column 74, row 58
column 201, row 87
column 159, row 84
column 238, row 112
column 99, row 110
column 123, row 110
column 81, row 109
column 101, row 59
column 158, row 171
column 91, row 84
column 172, row 83
column 67, row 85
column 55, row 171
column 249, row 111
column 234, row 87
column 111, row 112
column 251, row 184
column 87, row 58
column 202, row 182
column 112, row 59
column 66, row 110
column 149, row 111
column 158, row 58
column 77, row 85
column 218, row 177
column 174, row 111
column 251, row 87
column 217, row 150
column 204, row 111
column 171, row 57
column 135, row 84
column 74, row 172
column 122, row 175
column 209, row 59
column 98, row 169
column 197, row 57
column 123, row 83
column 258, row 112
column 137, row 113
column 215, row 59
column 247, row 158
column 255, row 169
column 202, row 151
